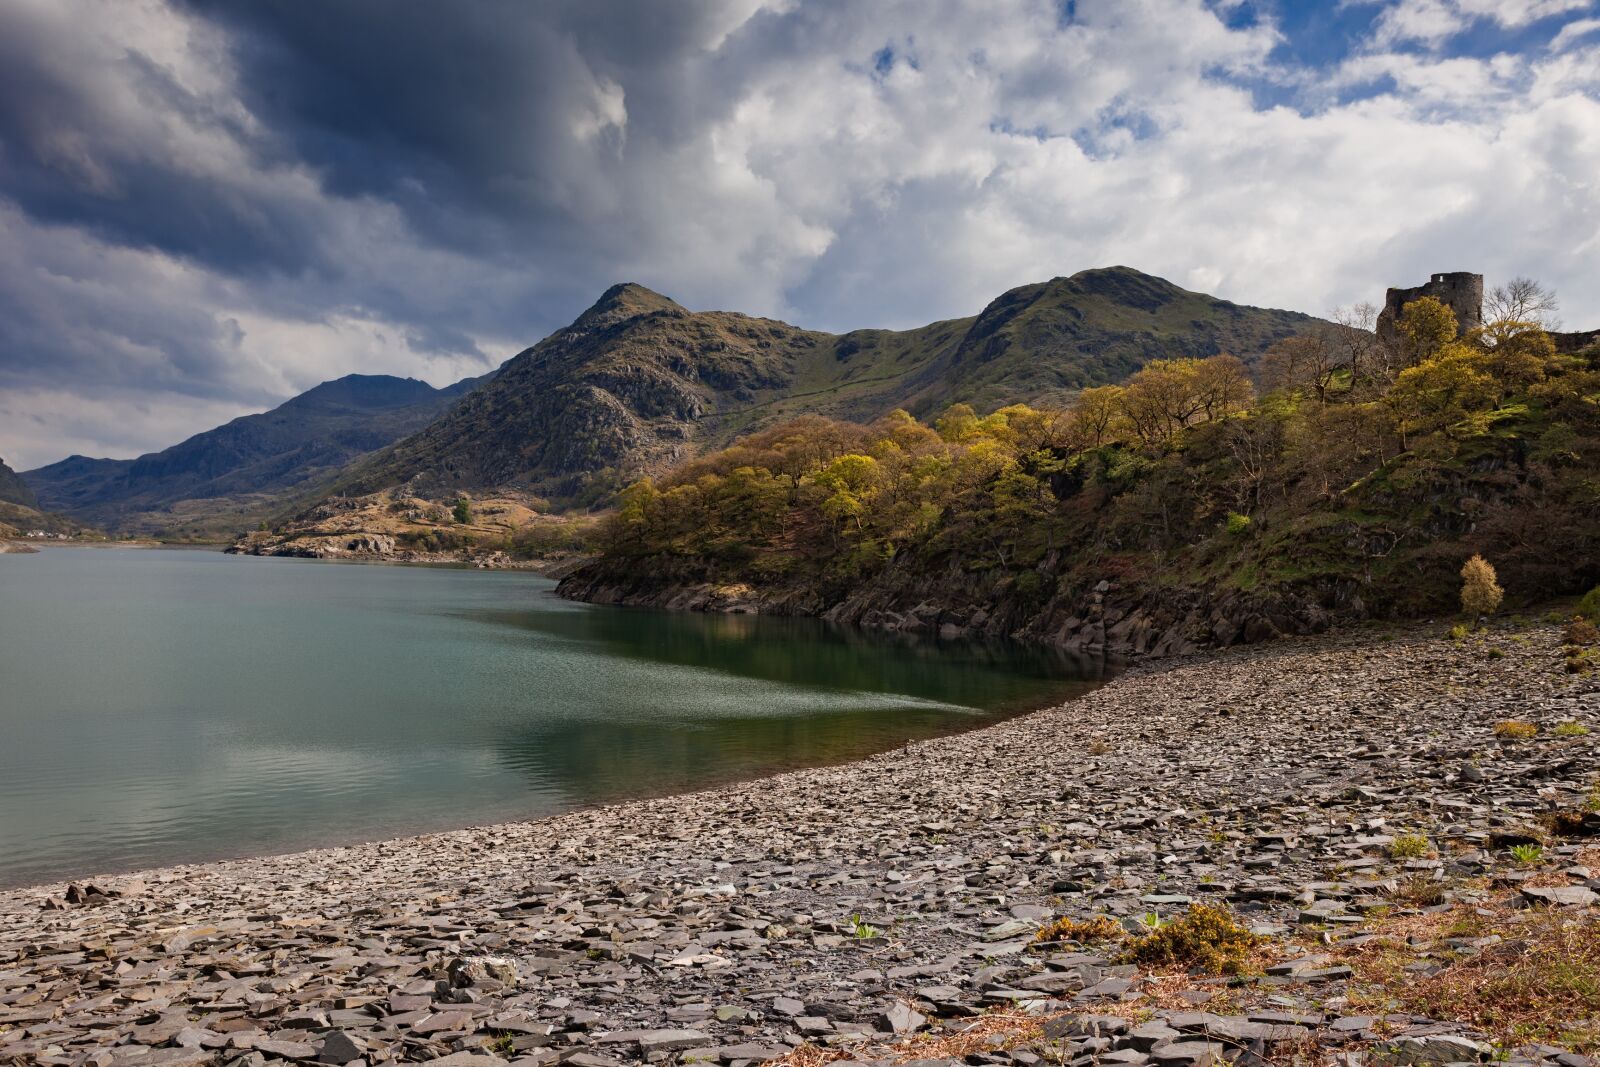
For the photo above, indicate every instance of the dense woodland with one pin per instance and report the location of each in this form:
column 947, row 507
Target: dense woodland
column 1356, row 472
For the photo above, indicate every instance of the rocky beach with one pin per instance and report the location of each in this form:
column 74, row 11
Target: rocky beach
column 1356, row 800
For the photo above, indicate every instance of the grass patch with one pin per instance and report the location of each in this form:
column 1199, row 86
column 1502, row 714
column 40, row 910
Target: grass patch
column 1570, row 729
column 1409, row 847
column 1515, row 730
column 1540, row 982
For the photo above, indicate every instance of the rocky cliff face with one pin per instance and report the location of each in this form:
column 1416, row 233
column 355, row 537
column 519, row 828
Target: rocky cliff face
column 1109, row 618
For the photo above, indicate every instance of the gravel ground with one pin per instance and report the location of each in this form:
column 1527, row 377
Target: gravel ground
column 850, row 907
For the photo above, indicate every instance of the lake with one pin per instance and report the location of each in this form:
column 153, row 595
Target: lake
column 171, row 706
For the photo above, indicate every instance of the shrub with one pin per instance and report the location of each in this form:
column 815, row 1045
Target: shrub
column 1206, row 939
column 1580, row 631
column 1582, row 660
column 1515, row 730
column 1589, row 606
column 1480, row 591
column 1089, row 931
column 1236, row 523
column 1570, row 729
column 1409, row 847
column 1459, row 631
column 462, row 512
column 1496, row 653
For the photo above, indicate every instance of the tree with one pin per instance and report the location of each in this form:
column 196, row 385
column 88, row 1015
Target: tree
column 1522, row 300
column 1516, row 353
column 1307, row 361
column 1223, row 385
column 1095, row 418
column 462, row 512
column 1442, row 391
column 1169, row 395
column 1353, row 335
column 1425, row 326
column 851, row 482
column 1480, row 591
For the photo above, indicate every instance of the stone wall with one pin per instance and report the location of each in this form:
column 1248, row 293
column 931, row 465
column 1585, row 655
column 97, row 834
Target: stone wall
column 1460, row 291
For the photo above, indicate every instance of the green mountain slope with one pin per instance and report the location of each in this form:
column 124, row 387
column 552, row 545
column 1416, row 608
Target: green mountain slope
column 219, row 480
column 638, row 383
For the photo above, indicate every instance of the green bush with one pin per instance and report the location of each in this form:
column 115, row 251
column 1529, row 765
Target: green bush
column 1237, row 524
column 1589, row 606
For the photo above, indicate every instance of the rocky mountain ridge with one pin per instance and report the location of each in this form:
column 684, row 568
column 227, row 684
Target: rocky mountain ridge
column 638, row 383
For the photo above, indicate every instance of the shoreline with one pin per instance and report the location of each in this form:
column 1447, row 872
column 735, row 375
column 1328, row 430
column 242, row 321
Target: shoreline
column 655, row 928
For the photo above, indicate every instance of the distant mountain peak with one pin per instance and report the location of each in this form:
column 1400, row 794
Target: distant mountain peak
column 364, row 391
column 626, row 300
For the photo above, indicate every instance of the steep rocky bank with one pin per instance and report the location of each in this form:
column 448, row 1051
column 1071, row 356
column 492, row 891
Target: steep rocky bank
column 1320, row 787
column 1107, row 618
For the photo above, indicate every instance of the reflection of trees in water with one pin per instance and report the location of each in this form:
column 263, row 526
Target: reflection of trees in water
column 994, row 676
column 603, row 761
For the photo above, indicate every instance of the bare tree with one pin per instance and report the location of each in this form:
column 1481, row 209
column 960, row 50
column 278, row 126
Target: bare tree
column 1523, row 300
column 1355, row 336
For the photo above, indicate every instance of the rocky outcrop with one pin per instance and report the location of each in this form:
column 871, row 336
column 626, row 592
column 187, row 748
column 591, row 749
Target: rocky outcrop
column 1104, row 618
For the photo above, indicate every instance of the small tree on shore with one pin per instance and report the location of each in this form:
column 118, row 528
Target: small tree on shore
column 463, row 510
column 1480, row 591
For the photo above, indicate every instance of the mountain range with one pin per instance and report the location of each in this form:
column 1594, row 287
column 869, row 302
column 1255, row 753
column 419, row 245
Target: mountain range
column 638, row 384
column 238, row 473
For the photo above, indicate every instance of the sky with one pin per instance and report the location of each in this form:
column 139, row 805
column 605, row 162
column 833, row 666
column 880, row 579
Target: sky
column 207, row 207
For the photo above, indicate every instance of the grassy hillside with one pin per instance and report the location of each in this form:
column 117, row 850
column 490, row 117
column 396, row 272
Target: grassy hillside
column 638, row 383
column 1192, row 506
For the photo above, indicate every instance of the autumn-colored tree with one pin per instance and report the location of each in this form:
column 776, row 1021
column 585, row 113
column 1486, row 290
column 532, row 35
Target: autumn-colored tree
column 1480, row 588
column 1096, row 418
column 1169, row 395
column 1425, row 327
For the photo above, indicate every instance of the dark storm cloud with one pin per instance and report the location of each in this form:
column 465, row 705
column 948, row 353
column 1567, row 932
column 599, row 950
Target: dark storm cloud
column 206, row 206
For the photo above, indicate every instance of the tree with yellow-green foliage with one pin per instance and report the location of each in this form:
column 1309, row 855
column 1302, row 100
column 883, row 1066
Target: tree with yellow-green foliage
column 1425, row 327
column 1515, row 353
column 1480, row 588
column 1442, row 390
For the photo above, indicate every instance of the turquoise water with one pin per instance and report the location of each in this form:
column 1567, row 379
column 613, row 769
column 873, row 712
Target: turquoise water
column 168, row 706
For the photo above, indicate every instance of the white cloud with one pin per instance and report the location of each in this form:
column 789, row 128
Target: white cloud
column 1572, row 32
column 768, row 164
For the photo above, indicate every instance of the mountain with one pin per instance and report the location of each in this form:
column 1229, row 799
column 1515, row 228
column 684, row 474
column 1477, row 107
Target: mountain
column 13, row 490
column 638, row 383
column 216, row 481
column 19, row 510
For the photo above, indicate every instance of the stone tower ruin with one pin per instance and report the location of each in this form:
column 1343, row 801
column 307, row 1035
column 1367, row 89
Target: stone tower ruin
column 1460, row 291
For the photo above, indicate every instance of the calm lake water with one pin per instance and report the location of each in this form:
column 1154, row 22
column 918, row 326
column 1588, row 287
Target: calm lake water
column 168, row 706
